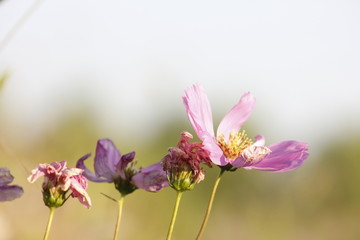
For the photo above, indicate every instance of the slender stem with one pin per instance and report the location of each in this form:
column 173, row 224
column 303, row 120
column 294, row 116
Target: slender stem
column 117, row 226
column 20, row 23
column 51, row 215
column 176, row 208
column 207, row 214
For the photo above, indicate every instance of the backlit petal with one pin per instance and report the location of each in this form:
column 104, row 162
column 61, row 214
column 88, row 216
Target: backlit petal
column 106, row 158
column 285, row 156
column 123, row 163
column 237, row 116
column 78, row 190
column 199, row 111
column 87, row 173
column 216, row 154
column 36, row 173
column 152, row 178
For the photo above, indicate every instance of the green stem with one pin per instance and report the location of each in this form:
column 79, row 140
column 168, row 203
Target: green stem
column 117, row 226
column 51, row 215
column 176, row 208
column 20, row 23
column 207, row 214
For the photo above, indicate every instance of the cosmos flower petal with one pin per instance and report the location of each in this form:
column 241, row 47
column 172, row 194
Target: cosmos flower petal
column 36, row 173
column 199, row 111
column 8, row 193
column 237, row 116
column 285, row 156
column 87, row 173
column 259, row 140
column 216, row 154
column 106, row 158
column 251, row 156
column 123, row 163
column 152, row 178
column 78, row 186
column 5, row 177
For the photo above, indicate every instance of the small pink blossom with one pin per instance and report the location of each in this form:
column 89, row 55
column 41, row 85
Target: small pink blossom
column 182, row 163
column 58, row 181
column 231, row 146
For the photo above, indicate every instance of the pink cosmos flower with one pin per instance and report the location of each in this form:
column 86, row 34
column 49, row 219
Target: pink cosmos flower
column 231, row 145
column 111, row 166
column 8, row 192
column 58, row 181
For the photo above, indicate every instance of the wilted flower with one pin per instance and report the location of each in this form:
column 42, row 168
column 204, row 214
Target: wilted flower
column 182, row 163
column 59, row 181
column 8, row 192
column 111, row 166
column 231, row 146
column 183, row 170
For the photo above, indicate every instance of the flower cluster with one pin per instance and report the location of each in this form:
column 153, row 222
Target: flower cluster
column 181, row 167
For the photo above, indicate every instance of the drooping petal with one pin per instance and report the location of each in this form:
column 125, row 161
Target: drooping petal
column 5, row 177
column 199, row 111
column 36, row 173
column 87, row 173
column 285, row 156
column 152, row 178
column 8, row 193
column 78, row 186
column 106, row 158
column 237, row 116
column 122, row 164
column 216, row 154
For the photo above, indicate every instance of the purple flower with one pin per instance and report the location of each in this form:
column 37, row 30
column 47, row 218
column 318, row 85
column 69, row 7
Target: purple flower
column 231, row 146
column 8, row 192
column 58, row 181
column 182, row 163
column 111, row 166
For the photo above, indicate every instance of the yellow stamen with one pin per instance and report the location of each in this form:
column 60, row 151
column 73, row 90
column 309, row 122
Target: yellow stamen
column 237, row 142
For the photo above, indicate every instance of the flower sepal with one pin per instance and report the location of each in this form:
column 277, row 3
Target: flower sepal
column 183, row 180
column 124, row 186
column 228, row 168
column 54, row 197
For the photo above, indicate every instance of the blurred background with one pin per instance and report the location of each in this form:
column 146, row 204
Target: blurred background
column 82, row 70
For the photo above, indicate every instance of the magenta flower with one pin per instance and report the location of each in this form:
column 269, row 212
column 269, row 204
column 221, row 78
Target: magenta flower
column 111, row 166
column 182, row 163
column 8, row 192
column 58, row 181
column 231, row 146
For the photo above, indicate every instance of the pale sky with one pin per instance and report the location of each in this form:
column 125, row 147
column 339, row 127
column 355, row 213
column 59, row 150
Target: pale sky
column 132, row 60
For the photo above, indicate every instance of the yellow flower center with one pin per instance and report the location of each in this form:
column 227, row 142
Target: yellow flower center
column 237, row 142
